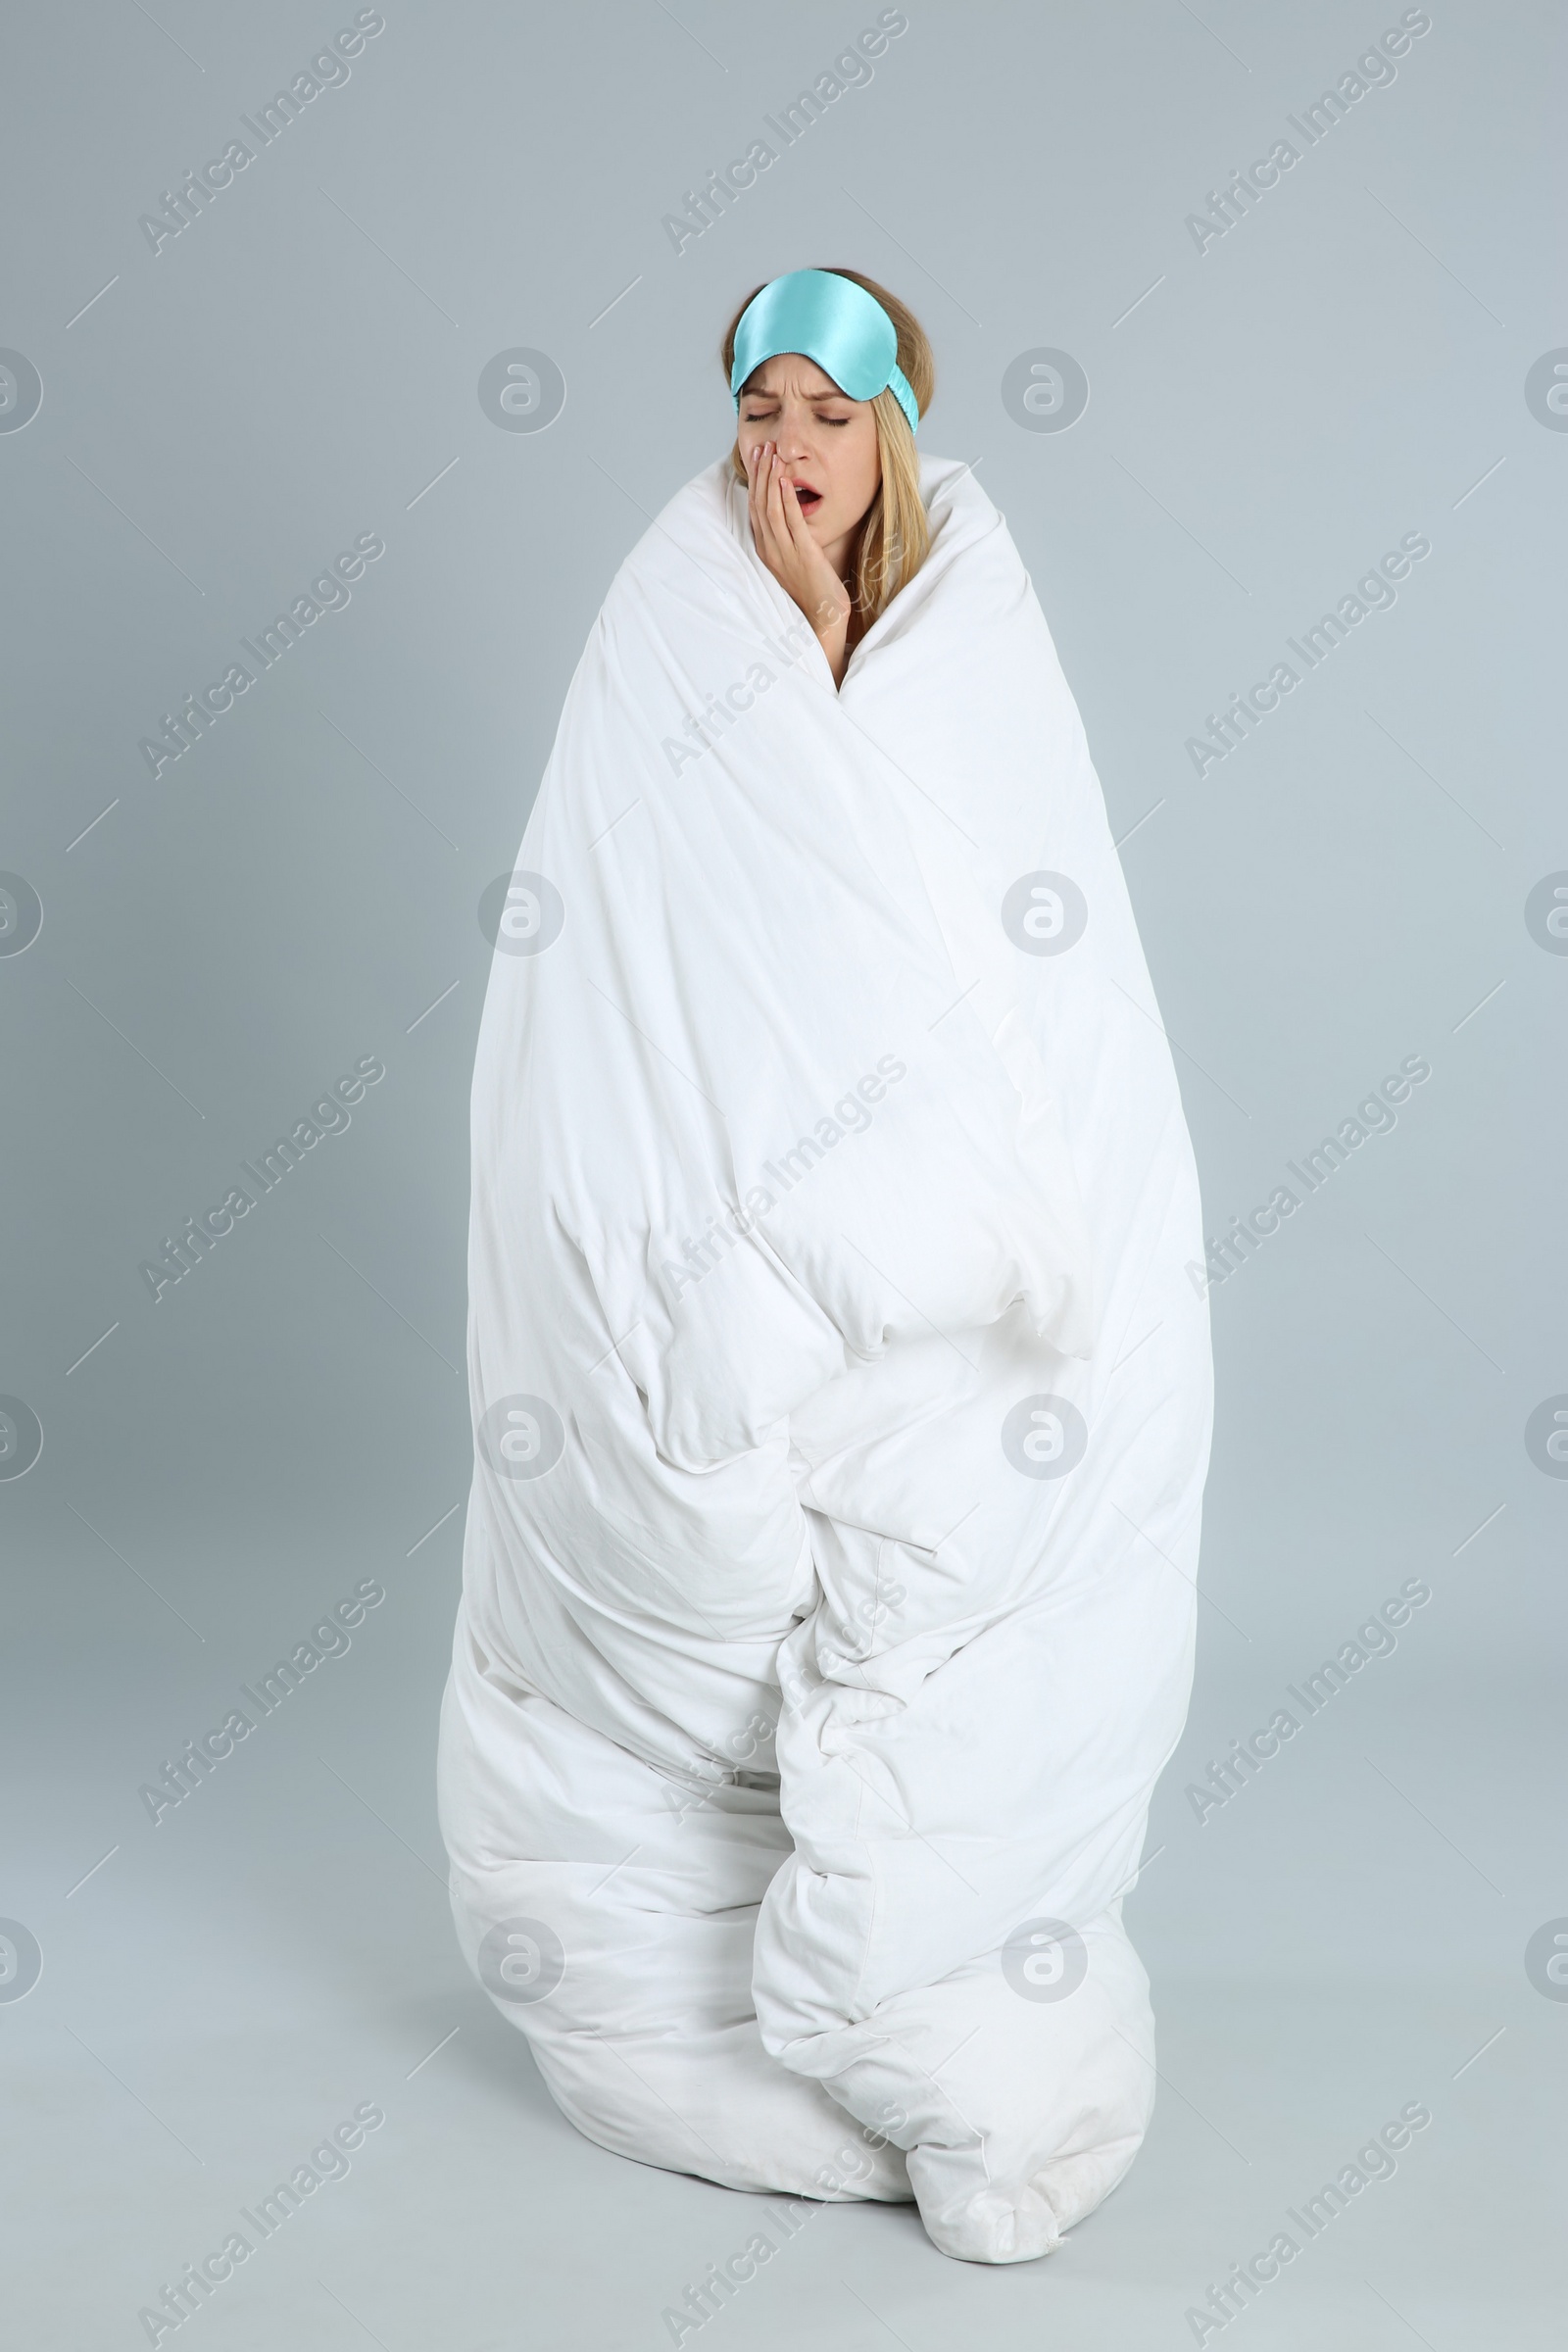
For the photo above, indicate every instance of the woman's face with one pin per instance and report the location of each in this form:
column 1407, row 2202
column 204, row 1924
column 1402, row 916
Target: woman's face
column 827, row 443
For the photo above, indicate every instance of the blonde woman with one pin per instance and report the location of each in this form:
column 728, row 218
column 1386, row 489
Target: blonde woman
column 835, row 483
column 841, row 1389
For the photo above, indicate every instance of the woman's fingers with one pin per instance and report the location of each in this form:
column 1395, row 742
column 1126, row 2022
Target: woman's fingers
column 810, row 577
column 785, row 544
column 767, row 532
column 783, row 558
column 775, row 500
column 754, row 479
column 798, row 550
column 814, row 585
column 801, row 538
column 753, row 491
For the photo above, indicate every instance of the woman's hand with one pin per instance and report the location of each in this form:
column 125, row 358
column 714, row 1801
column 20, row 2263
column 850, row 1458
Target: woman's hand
column 786, row 546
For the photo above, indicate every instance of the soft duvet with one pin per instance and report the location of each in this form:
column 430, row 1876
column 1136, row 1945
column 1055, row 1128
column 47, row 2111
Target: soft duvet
column 842, row 1404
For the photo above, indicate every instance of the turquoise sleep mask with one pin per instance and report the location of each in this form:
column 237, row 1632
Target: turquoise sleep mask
column 831, row 321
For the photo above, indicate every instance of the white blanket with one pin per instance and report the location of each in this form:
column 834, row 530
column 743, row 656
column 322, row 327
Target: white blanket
column 834, row 1368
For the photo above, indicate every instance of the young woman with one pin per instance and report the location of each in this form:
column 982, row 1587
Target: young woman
column 834, row 483
column 841, row 1385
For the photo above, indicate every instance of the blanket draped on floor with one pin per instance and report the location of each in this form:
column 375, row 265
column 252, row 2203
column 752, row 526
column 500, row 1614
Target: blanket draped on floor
column 841, row 1401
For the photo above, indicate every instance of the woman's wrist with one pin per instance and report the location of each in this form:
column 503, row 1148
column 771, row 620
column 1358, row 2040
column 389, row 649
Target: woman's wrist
column 828, row 614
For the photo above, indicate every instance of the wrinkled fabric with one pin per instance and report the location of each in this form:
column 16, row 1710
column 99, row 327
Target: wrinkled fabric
column 840, row 1366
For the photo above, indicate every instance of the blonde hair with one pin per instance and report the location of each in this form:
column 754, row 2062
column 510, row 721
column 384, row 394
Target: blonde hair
column 895, row 537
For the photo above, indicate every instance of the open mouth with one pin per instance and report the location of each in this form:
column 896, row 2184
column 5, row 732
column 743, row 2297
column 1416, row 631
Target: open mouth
column 809, row 498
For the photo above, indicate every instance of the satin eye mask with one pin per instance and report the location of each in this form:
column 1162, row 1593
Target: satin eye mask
column 833, row 321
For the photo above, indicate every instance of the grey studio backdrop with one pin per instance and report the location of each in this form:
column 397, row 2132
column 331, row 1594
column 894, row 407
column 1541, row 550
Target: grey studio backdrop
column 1288, row 379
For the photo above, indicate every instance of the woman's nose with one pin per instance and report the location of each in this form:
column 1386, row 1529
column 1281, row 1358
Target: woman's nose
column 792, row 438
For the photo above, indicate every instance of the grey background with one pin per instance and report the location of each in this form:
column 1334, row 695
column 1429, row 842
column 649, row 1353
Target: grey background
column 1265, row 418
